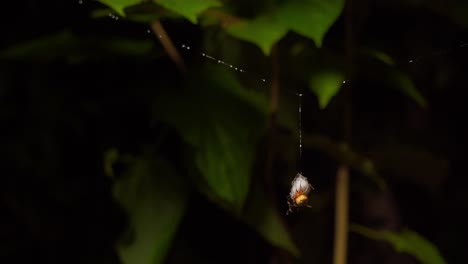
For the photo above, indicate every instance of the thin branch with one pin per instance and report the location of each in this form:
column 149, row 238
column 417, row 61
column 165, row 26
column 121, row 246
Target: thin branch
column 275, row 86
column 340, row 246
column 274, row 105
column 341, row 215
column 166, row 42
column 271, row 147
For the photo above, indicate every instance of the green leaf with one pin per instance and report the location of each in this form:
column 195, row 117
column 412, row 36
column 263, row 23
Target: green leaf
column 326, row 83
column 264, row 218
column 406, row 241
column 120, row 5
column 264, row 31
column 310, row 18
column 189, row 9
column 155, row 198
column 223, row 122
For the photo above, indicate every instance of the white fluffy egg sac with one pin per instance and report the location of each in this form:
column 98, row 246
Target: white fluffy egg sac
column 300, row 184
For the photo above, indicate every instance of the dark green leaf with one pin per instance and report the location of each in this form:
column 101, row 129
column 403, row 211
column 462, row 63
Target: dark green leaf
column 189, row 9
column 120, row 5
column 310, row 18
column 223, row 122
column 406, row 241
column 264, row 31
column 326, row 83
column 155, row 198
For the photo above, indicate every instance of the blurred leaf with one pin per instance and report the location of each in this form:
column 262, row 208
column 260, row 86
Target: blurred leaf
column 326, row 83
column 155, row 198
column 263, row 216
column 411, row 164
column 403, row 83
column 380, row 68
column 189, row 9
column 379, row 55
column 264, row 31
column 223, row 122
column 406, row 241
column 120, row 5
column 341, row 152
column 453, row 9
column 310, row 18
column 110, row 157
column 47, row 48
column 65, row 45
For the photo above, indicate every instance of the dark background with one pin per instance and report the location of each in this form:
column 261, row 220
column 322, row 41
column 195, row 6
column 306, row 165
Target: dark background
column 62, row 106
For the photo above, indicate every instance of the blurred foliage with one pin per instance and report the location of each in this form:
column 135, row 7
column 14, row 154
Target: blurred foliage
column 405, row 241
column 271, row 26
column 120, row 5
column 155, row 198
column 77, row 49
column 223, row 122
column 98, row 119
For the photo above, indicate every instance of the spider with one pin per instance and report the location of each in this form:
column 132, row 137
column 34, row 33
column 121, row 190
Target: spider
column 300, row 188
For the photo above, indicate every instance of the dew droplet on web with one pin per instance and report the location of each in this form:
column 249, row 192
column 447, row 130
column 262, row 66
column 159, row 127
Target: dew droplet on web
column 203, row 54
column 263, row 80
column 410, row 61
column 80, row 2
column 183, row 45
column 235, row 68
column 148, row 31
column 188, row 47
column 219, row 61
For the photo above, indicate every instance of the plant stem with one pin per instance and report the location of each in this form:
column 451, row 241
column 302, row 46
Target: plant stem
column 342, row 175
column 166, row 42
column 280, row 256
column 341, row 215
